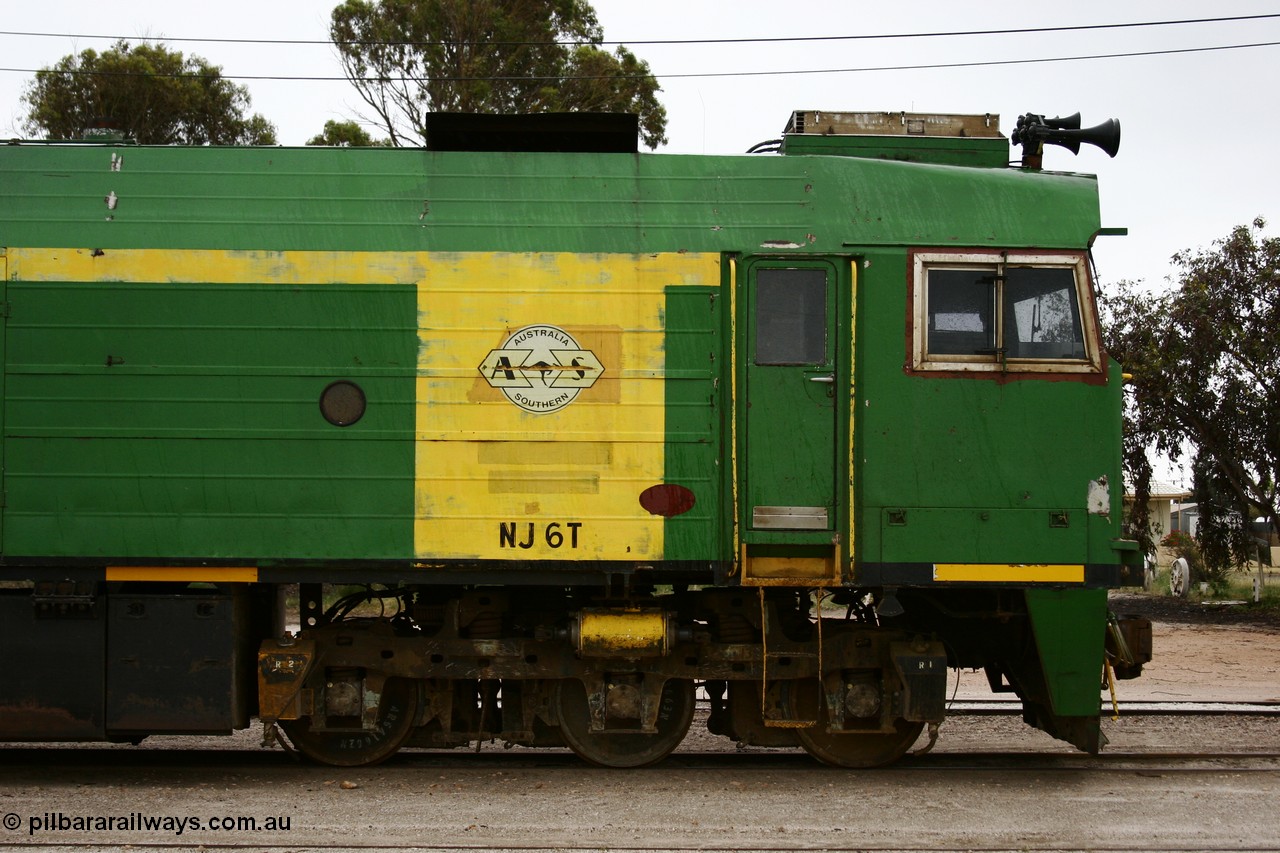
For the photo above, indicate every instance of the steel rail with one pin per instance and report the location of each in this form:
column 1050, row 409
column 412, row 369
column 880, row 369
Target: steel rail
column 1162, row 707
column 1169, row 707
column 664, row 848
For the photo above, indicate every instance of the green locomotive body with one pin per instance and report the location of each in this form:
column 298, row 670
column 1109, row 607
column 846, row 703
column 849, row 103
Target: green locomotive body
column 594, row 426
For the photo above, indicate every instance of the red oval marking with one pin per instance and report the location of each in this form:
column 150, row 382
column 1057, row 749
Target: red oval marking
column 667, row 500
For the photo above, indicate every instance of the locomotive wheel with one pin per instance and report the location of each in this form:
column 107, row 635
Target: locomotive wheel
column 624, row 750
column 803, row 701
column 396, row 712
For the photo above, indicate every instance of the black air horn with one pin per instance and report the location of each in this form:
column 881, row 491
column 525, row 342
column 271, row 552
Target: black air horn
column 1033, row 131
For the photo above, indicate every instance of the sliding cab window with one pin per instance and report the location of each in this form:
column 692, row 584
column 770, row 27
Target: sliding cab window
column 1008, row 313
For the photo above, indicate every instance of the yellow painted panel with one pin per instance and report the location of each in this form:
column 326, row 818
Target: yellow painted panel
column 535, row 482
column 217, row 266
column 622, row 633
column 542, row 453
column 996, row 573
column 798, row 569
column 185, row 574
column 541, row 403
column 849, row 547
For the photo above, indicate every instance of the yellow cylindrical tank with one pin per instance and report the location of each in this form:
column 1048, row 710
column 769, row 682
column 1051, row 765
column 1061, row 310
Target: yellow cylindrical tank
column 623, row 633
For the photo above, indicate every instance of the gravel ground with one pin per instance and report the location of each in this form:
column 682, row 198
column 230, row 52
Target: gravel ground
column 991, row 783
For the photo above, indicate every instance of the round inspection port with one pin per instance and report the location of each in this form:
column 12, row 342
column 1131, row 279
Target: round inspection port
column 342, row 403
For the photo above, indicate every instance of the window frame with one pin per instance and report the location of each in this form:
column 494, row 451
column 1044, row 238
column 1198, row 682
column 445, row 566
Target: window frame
column 923, row 361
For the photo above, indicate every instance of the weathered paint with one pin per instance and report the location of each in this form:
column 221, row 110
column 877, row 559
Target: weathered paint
column 370, row 200
column 216, row 266
column 183, row 574
column 282, row 666
column 1017, row 574
column 1069, row 627
column 165, row 358
column 1099, row 496
column 849, row 545
column 296, row 268
column 497, row 480
column 624, row 633
column 493, row 480
column 164, row 404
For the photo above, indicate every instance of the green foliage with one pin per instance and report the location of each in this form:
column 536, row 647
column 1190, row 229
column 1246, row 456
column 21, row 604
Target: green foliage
column 1205, row 360
column 153, row 95
column 1185, row 546
column 346, row 134
column 1224, row 541
column 597, row 81
column 1216, row 574
column 407, row 58
column 1180, row 543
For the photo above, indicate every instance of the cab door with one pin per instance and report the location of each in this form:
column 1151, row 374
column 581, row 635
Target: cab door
column 788, row 401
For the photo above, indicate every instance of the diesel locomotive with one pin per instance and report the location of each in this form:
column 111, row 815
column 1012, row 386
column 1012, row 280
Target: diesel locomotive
column 527, row 436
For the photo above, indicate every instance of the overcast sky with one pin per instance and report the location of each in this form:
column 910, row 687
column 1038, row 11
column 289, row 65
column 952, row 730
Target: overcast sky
column 1201, row 130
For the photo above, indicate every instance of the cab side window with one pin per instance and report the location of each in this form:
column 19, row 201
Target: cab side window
column 985, row 312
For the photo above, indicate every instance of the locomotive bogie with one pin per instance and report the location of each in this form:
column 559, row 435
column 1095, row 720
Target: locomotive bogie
column 530, row 681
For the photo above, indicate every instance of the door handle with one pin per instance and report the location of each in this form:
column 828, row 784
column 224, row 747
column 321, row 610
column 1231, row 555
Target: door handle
column 828, row 380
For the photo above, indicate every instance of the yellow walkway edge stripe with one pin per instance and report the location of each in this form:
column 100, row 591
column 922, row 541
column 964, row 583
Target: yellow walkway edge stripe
column 994, row 572
column 186, row 574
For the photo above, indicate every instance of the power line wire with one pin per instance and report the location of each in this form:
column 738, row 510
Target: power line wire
column 748, row 40
column 683, row 76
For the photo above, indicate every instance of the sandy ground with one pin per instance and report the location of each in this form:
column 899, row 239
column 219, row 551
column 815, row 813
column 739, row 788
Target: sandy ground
column 1200, row 652
column 1205, row 652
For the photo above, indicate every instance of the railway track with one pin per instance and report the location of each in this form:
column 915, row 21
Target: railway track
column 90, row 847
column 615, row 848
column 698, row 743
column 728, row 759
column 977, row 707
column 1175, row 707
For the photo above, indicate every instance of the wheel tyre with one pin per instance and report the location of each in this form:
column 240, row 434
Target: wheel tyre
column 1179, row 577
column 803, row 701
column 396, row 713
column 624, row 750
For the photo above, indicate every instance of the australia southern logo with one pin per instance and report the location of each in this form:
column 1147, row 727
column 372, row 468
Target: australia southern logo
column 541, row 368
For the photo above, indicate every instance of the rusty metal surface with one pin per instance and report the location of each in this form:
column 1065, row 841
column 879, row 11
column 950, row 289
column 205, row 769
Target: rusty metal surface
column 51, row 669
column 173, row 663
column 894, row 123
column 624, row 634
column 31, row 721
column 282, row 666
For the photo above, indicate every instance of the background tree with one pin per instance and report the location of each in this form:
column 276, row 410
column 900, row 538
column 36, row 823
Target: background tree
column 345, row 134
column 153, row 95
column 407, row 58
column 1205, row 359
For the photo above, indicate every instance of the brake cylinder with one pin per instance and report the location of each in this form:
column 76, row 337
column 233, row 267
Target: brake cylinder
column 623, row 633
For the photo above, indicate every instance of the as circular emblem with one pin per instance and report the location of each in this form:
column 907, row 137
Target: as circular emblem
column 541, row 368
